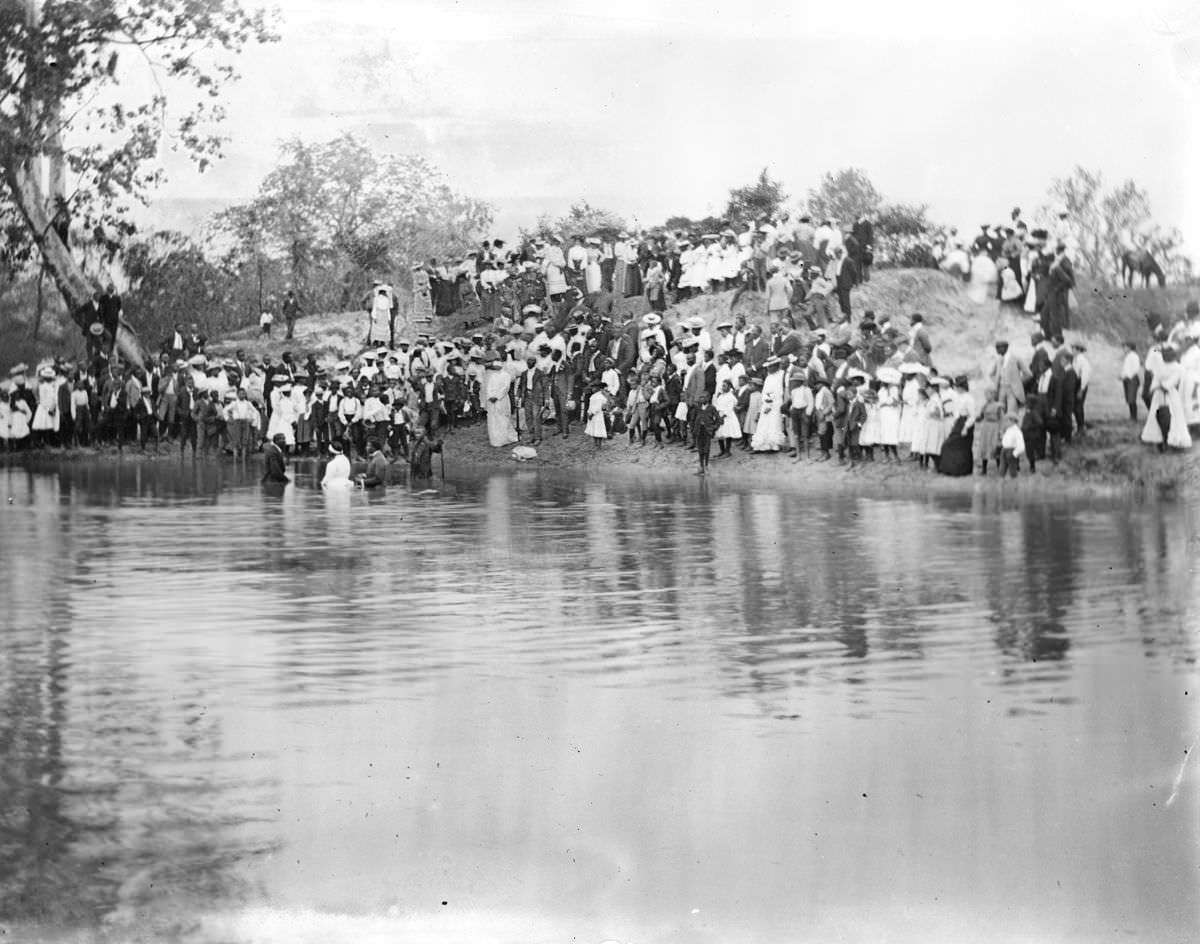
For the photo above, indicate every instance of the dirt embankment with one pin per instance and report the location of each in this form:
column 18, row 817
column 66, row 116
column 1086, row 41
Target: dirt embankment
column 1108, row 456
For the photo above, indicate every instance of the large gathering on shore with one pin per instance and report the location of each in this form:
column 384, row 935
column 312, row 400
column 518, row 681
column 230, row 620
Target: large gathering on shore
column 555, row 352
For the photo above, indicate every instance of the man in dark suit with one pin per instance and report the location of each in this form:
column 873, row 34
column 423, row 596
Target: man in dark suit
column 863, row 232
column 757, row 350
column 532, row 389
column 844, row 279
column 276, row 462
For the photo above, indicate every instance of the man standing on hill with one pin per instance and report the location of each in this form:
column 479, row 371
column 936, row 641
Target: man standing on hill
column 779, row 297
column 863, row 232
column 291, row 311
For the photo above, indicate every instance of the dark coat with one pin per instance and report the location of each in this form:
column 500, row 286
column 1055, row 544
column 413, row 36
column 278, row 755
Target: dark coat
column 275, row 464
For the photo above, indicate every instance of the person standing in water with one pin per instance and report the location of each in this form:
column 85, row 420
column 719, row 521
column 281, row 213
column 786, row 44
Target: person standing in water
column 275, row 461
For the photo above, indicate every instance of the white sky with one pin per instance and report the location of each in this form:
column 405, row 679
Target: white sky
column 657, row 107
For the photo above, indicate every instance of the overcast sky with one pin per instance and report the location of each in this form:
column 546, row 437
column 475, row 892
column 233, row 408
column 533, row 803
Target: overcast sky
column 658, row 107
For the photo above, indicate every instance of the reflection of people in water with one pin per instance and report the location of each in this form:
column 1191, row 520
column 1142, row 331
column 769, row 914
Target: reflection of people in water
column 275, row 461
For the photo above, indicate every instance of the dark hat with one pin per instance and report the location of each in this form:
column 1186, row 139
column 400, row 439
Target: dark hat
column 917, row 318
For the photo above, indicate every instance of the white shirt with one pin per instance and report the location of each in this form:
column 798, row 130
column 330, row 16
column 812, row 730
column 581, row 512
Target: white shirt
column 1013, row 439
column 1131, row 366
column 1084, row 369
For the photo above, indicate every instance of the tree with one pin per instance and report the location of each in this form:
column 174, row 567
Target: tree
column 1105, row 223
column 902, row 219
column 845, row 196
column 685, row 224
column 762, row 198
column 59, row 105
column 333, row 214
column 582, row 219
column 172, row 280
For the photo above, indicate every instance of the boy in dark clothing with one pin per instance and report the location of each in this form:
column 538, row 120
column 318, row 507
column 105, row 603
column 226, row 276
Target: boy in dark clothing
column 420, row 462
column 707, row 422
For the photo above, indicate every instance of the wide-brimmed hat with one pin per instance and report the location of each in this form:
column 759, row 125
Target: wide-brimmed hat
column 653, row 319
column 18, row 369
column 197, row 360
column 96, row 328
column 46, row 373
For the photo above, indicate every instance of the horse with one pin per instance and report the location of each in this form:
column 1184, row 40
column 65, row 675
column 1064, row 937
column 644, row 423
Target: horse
column 1139, row 261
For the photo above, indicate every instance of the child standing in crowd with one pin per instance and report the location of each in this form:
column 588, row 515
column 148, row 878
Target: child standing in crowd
column 730, row 429
column 889, row 420
column 707, row 422
column 597, row 403
column 1012, row 447
column 987, row 433
column 265, row 320
column 238, row 421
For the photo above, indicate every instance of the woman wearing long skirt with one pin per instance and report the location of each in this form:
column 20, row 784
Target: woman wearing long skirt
column 496, row 383
column 591, row 274
column 769, row 434
column 1167, row 424
column 597, row 425
column 889, row 420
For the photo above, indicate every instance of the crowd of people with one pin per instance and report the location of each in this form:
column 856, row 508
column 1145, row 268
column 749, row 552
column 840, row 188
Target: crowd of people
column 557, row 350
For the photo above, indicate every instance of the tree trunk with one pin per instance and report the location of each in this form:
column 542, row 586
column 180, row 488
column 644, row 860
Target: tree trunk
column 67, row 273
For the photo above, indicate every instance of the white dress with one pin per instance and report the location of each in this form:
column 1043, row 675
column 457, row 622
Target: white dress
column 769, row 435
column 1189, row 389
column 889, row 416
column 501, row 431
column 283, row 417
column 869, row 434
column 46, row 417
column 1166, row 392
column 909, row 411
column 726, row 405
column 337, row 474
column 596, row 425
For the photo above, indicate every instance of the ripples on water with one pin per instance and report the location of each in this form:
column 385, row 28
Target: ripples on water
column 584, row 704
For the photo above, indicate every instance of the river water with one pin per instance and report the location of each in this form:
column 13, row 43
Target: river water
column 532, row 708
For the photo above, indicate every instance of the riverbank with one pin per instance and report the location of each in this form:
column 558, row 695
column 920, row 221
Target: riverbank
column 1107, row 459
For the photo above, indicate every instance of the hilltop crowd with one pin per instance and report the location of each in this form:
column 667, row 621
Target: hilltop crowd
column 805, row 376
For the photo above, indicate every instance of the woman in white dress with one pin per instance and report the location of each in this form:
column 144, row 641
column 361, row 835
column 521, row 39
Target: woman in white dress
column 283, row 414
column 597, row 427
column 45, row 419
column 1168, row 428
column 501, row 431
column 592, row 273
column 337, row 473
column 769, row 434
column 889, row 420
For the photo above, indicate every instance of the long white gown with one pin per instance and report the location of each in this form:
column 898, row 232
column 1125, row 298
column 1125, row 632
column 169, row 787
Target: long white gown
column 283, row 417
column 1168, row 380
column 769, row 434
column 501, row 431
column 337, row 474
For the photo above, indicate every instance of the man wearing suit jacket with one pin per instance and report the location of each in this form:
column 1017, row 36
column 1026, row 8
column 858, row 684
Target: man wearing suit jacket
column 693, row 391
column 532, row 389
column 757, row 350
column 1009, row 379
column 276, row 463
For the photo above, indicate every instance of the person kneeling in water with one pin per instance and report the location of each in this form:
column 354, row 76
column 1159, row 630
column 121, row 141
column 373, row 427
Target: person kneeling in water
column 377, row 466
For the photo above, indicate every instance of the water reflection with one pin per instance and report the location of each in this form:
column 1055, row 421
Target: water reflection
column 195, row 676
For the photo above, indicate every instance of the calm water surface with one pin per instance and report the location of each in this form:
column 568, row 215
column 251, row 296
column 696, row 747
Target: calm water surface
column 545, row 709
